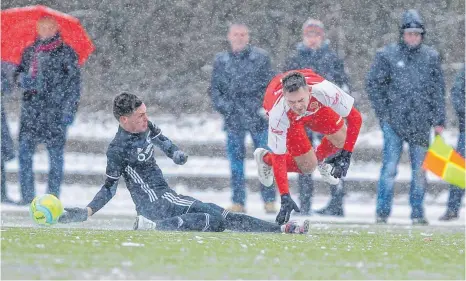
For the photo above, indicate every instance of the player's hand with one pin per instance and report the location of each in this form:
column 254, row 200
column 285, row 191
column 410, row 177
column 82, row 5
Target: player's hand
column 73, row 215
column 340, row 162
column 155, row 131
column 288, row 205
column 179, row 157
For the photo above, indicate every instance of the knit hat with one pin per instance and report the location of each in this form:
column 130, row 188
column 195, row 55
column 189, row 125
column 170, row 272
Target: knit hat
column 411, row 21
column 315, row 26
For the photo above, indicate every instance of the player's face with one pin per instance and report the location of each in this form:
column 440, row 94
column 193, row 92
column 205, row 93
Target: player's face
column 412, row 39
column 238, row 36
column 298, row 100
column 136, row 122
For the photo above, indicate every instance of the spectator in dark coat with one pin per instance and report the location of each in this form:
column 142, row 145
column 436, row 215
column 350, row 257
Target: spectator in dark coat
column 314, row 52
column 407, row 91
column 457, row 100
column 7, row 148
column 239, row 79
column 50, row 79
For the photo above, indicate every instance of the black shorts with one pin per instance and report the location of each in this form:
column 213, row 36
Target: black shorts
column 168, row 204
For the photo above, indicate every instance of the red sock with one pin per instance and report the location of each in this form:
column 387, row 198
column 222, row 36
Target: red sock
column 282, row 164
column 291, row 165
column 268, row 158
column 325, row 149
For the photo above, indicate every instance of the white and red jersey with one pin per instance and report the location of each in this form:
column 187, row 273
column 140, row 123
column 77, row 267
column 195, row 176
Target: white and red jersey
column 281, row 117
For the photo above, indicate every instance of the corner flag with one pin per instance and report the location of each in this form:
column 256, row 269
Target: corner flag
column 442, row 160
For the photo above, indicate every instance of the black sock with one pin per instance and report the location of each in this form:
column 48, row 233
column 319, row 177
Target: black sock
column 192, row 222
column 245, row 223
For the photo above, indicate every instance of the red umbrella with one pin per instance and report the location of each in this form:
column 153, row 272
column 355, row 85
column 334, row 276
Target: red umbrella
column 18, row 31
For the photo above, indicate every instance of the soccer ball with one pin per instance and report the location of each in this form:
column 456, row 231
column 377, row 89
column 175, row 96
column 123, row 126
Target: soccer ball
column 46, row 209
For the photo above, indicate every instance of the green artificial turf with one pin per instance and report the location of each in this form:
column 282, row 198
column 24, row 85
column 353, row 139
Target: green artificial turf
column 337, row 253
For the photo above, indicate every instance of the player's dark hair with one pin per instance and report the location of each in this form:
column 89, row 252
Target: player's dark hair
column 125, row 104
column 293, row 81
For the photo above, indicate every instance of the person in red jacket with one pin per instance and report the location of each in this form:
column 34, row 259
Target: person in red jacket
column 295, row 100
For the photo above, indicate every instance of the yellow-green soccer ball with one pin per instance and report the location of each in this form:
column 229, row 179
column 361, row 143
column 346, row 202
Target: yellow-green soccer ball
column 46, row 209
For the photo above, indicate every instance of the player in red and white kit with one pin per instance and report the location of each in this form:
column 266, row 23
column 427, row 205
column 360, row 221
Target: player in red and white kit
column 293, row 101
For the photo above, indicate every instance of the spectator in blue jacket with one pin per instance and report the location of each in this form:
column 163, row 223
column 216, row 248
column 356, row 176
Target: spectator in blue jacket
column 239, row 79
column 314, row 53
column 7, row 150
column 457, row 100
column 407, row 91
column 50, row 79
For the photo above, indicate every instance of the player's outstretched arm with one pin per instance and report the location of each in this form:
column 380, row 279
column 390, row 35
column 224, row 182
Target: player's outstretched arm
column 102, row 197
column 332, row 96
column 354, row 122
column 166, row 145
column 341, row 160
column 116, row 164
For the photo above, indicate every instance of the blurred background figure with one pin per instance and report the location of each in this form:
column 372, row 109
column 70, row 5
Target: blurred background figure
column 49, row 77
column 7, row 148
column 239, row 78
column 407, row 91
column 314, row 53
column 457, row 100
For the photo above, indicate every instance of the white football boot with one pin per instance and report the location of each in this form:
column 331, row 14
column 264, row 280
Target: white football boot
column 293, row 227
column 143, row 223
column 324, row 170
column 265, row 171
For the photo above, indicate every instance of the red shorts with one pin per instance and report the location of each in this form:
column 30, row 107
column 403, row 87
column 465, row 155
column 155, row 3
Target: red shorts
column 325, row 121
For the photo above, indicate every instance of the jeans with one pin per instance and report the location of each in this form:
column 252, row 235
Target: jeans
column 456, row 193
column 392, row 149
column 7, row 150
column 236, row 151
column 27, row 147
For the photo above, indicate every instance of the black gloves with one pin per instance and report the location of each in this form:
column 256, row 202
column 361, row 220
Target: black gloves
column 340, row 162
column 179, row 157
column 288, row 205
column 154, row 129
column 73, row 215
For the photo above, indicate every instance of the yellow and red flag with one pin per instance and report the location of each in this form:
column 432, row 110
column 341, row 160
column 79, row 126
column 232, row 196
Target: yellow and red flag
column 442, row 160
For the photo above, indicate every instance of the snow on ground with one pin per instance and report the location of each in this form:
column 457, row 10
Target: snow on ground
column 205, row 128
column 94, row 164
column 359, row 207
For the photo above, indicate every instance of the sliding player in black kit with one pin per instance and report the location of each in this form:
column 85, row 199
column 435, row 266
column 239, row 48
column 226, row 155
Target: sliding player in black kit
column 158, row 207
